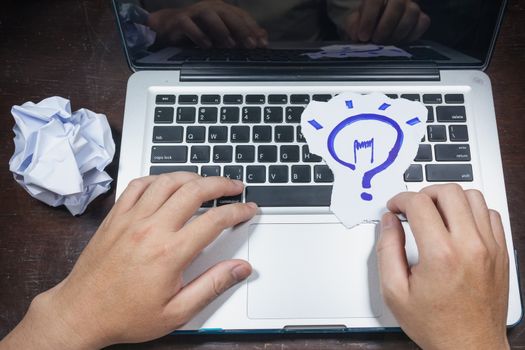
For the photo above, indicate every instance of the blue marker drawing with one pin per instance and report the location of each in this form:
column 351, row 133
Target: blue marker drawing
column 349, row 104
column 383, row 106
column 358, row 145
column 392, row 155
column 413, row 121
column 315, row 124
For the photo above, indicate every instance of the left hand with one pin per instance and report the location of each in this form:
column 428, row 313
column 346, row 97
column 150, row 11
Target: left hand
column 127, row 285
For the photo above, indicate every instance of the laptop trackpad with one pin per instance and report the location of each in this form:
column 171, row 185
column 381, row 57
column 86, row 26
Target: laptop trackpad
column 313, row 271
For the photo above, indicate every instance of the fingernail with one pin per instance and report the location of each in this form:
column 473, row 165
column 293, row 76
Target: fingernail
column 238, row 183
column 252, row 205
column 241, row 272
column 263, row 42
column 250, row 43
column 231, row 42
column 387, row 221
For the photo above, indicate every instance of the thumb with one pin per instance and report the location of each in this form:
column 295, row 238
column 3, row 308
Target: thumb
column 392, row 260
column 207, row 287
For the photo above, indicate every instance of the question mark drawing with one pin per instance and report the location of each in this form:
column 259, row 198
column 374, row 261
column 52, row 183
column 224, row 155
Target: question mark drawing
column 387, row 133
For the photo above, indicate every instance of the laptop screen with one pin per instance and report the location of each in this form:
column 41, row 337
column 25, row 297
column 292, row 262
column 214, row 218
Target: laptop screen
column 169, row 33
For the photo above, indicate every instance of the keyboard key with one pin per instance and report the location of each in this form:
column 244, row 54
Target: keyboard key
column 430, row 115
column 210, row 170
column 458, row 133
column 195, row 134
column 452, row 153
column 293, row 114
column 437, row 133
column 210, row 99
column 451, row 114
column 432, row 98
column 169, row 154
column 277, row 174
column 322, row 173
column 310, row 157
column 234, row 172
column 240, row 134
column 267, row 154
column 424, row 153
column 167, row 134
column 289, row 154
column 200, row 154
column 217, row 134
column 208, row 115
column 165, row 99
column 163, row 115
column 289, row 196
column 255, row 99
column 273, row 114
column 157, row 170
column 284, row 133
column 277, row 99
column 186, row 115
column 251, row 115
column 322, row 97
column 262, row 133
column 454, row 98
column 255, row 174
column 411, row 97
column 301, row 173
column 229, row 200
column 449, row 172
column 300, row 99
column 232, row 99
column 414, row 173
column 393, row 96
column 299, row 135
column 229, row 115
column 245, row 154
column 188, row 99
column 222, row 154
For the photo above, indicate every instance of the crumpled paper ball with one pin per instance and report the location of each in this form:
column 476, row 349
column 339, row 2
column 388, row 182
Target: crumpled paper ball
column 60, row 156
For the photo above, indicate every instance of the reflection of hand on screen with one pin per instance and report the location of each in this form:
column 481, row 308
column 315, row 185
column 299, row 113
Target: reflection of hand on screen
column 387, row 22
column 209, row 23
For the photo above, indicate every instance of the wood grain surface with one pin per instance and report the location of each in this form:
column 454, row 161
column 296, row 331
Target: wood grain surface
column 71, row 48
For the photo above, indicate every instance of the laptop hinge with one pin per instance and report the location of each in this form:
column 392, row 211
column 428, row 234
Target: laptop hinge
column 206, row 71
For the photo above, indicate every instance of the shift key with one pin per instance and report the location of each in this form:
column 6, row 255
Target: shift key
column 449, row 172
column 169, row 154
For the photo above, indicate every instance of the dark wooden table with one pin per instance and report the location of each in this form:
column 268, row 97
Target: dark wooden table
column 70, row 48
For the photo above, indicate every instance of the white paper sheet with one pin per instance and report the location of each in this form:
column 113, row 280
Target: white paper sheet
column 60, row 156
column 358, row 50
column 368, row 141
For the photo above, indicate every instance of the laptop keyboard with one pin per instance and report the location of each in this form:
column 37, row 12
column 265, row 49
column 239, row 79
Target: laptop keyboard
column 256, row 138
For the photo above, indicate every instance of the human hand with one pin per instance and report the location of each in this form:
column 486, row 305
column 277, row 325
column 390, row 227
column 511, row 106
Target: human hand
column 209, row 23
column 127, row 285
column 456, row 296
column 396, row 21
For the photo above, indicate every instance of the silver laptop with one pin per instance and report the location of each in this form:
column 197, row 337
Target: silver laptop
column 234, row 110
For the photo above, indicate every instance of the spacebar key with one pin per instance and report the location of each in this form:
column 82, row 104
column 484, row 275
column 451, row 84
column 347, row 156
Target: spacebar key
column 289, row 196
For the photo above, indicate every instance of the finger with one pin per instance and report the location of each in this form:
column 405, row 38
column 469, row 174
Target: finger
column 455, row 210
column 481, row 214
column 192, row 31
column 159, row 191
column 179, row 208
column 352, row 26
column 407, row 23
column 239, row 28
column 207, row 287
column 391, row 258
column 199, row 233
column 421, row 27
column 389, row 19
column 216, row 29
column 132, row 193
column 497, row 229
column 423, row 217
column 369, row 16
column 260, row 34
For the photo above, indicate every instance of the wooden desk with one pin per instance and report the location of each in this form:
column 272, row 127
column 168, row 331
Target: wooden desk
column 71, row 48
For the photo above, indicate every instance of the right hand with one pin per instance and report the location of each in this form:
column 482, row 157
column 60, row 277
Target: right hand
column 456, row 296
column 209, row 23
